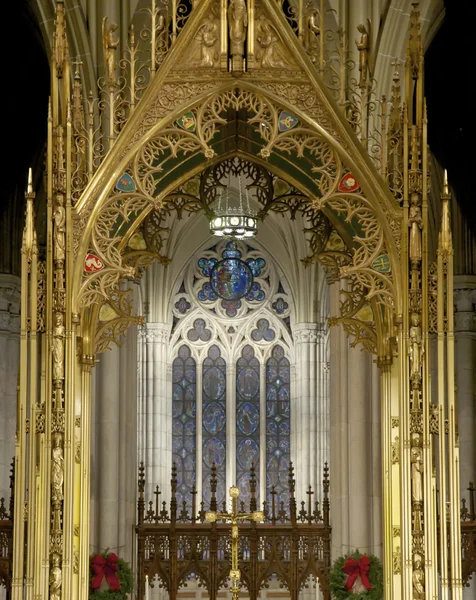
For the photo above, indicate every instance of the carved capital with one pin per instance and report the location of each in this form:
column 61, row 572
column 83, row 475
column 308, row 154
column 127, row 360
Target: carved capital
column 154, row 332
column 307, row 332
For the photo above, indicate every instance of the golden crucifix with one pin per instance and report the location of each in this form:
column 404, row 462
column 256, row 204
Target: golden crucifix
column 233, row 517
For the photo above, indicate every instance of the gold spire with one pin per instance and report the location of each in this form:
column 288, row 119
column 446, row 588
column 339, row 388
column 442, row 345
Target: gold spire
column 29, row 234
column 445, row 237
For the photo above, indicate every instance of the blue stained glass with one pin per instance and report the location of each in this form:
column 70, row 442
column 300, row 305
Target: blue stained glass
column 247, row 453
column 214, row 423
column 182, row 305
column 263, row 332
column 231, row 279
column 278, row 432
column 184, row 423
column 214, row 419
column 214, row 384
column 256, row 264
column 280, row 306
column 247, row 420
column 206, row 265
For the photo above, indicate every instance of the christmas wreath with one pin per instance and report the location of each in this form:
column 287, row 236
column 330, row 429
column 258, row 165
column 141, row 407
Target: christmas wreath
column 356, row 576
column 110, row 577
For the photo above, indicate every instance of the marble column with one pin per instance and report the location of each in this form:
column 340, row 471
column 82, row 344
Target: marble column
column 465, row 366
column 114, row 449
column 9, row 363
column 355, row 445
column 310, row 408
column 155, row 408
column 107, row 410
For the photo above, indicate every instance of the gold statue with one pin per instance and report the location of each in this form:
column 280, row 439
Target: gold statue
column 208, row 36
column 363, row 46
column 312, row 34
column 268, row 39
column 59, row 216
column 238, row 23
column 415, row 222
column 55, row 577
column 57, row 346
column 110, row 43
column 57, row 469
column 418, row 577
column 417, row 474
column 415, row 347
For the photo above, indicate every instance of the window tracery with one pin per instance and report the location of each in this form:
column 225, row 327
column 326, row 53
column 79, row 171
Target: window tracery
column 234, row 327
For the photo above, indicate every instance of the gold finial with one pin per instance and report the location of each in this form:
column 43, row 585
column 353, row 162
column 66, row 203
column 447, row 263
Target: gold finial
column 30, row 182
column 29, row 236
column 445, row 238
column 445, row 183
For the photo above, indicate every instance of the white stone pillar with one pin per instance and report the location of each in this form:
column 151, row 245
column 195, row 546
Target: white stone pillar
column 128, row 469
column 9, row 363
column 465, row 366
column 108, row 393
column 155, row 409
column 355, row 447
column 309, row 410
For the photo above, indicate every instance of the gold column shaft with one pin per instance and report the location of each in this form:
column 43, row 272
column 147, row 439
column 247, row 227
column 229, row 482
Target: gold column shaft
column 20, row 441
column 441, row 428
column 69, row 483
column 32, row 446
column 405, row 465
column 429, row 517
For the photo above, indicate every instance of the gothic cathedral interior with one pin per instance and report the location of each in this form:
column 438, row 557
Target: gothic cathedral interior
column 237, row 302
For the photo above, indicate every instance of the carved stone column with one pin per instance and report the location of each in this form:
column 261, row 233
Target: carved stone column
column 106, row 457
column 355, row 445
column 155, row 408
column 310, row 408
column 465, row 363
column 9, row 361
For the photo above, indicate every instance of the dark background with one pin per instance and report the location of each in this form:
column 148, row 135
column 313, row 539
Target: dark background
column 450, row 65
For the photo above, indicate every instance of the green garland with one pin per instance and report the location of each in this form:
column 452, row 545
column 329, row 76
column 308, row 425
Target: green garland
column 125, row 576
column 337, row 579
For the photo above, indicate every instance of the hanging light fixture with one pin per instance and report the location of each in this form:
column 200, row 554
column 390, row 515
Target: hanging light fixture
column 234, row 218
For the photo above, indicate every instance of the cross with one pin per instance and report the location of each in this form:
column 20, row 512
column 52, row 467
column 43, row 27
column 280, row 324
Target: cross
column 233, row 517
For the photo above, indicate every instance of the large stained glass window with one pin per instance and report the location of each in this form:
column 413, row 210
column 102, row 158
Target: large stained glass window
column 214, row 423
column 278, row 425
column 247, row 420
column 184, row 377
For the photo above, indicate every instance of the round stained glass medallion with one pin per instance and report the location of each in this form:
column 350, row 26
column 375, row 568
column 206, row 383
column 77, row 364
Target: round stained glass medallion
column 231, row 279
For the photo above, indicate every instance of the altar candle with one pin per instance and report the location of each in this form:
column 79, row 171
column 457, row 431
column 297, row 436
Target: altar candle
column 147, row 596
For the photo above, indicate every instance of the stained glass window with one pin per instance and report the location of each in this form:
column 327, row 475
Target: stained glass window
column 247, row 421
column 278, row 425
column 184, row 377
column 214, row 423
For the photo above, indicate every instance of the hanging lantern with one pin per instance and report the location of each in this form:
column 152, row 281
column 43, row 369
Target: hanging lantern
column 234, row 218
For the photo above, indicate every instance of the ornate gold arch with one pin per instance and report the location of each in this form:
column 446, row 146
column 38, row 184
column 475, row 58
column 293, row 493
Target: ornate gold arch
column 284, row 138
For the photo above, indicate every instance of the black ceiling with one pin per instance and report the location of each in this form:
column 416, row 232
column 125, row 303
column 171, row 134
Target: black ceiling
column 449, row 66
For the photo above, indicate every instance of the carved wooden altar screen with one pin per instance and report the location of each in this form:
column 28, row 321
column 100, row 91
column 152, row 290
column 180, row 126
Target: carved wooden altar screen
column 291, row 545
column 6, row 540
column 468, row 536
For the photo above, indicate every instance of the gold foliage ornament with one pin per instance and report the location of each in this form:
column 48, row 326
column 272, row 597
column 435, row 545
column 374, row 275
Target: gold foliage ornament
column 356, row 576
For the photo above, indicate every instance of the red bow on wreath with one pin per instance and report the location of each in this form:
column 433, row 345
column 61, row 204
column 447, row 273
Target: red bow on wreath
column 105, row 567
column 355, row 568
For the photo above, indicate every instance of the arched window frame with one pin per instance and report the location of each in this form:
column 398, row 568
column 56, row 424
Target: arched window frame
column 231, row 346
